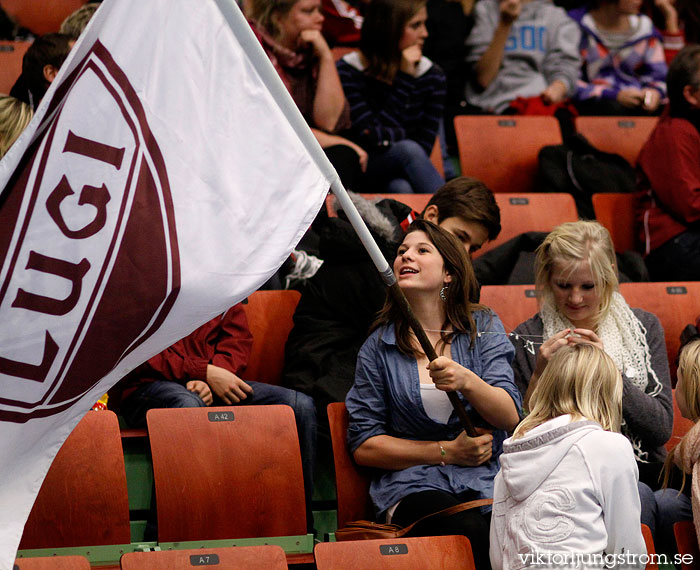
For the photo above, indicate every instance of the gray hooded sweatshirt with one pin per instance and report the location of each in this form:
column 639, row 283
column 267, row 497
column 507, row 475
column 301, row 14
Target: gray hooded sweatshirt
column 566, row 489
column 543, row 45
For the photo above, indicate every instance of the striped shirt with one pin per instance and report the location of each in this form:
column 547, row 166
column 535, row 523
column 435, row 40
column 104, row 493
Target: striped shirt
column 381, row 114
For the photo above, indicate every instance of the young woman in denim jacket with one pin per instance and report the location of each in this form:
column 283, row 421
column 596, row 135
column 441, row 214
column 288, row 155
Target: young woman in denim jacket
column 401, row 420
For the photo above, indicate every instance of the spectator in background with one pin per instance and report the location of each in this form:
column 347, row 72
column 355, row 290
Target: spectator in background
column 567, row 452
column 76, row 22
column 449, row 24
column 204, row 369
column 40, row 67
column 579, row 303
column 14, row 117
column 668, row 213
column 342, row 22
column 520, row 48
column 570, row 4
column 9, row 29
column 624, row 66
column 664, row 15
column 290, row 33
column 396, row 98
column 679, row 499
column 340, row 302
column 689, row 14
column 678, row 21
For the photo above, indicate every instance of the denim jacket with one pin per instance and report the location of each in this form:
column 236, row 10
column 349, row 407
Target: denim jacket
column 385, row 399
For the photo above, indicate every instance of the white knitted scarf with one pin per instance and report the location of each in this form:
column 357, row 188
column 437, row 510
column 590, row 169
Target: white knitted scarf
column 624, row 338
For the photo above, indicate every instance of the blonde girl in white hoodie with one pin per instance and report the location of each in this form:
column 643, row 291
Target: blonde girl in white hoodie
column 566, row 494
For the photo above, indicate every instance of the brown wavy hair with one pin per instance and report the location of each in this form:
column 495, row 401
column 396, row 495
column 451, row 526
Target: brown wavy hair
column 461, row 294
column 263, row 13
column 382, row 30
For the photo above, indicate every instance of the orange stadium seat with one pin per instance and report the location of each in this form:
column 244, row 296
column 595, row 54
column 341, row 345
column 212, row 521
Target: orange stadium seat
column 40, row 16
column 83, row 500
column 622, row 135
column 444, row 552
column 687, row 542
column 531, row 212
column 269, row 315
column 226, row 473
column 53, row 563
column 351, row 480
column 651, row 549
column 502, row 151
column 513, row 304
column 268, row 557
column 615, row 211
column 675, row 304
column 11, row 54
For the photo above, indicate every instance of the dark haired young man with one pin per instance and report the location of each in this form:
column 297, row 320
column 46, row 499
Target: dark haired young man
column 40, row 66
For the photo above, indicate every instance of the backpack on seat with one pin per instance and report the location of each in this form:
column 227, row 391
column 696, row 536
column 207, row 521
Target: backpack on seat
column 578, row 168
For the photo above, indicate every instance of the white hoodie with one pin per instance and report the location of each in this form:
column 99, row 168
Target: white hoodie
column 566, row 491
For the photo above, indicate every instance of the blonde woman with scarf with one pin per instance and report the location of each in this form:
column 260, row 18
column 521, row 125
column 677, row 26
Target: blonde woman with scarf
column 579, row 302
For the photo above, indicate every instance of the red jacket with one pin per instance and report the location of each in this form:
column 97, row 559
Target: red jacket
column 669, row 197
column 224, row 341
column 342, row 23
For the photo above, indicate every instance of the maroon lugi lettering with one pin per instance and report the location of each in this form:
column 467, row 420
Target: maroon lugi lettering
column 97, row 197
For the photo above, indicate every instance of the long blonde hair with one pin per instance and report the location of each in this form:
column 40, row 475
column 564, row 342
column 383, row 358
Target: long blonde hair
column 580, row 380
column 689, row 386
column 574, row 242
column 14, row 117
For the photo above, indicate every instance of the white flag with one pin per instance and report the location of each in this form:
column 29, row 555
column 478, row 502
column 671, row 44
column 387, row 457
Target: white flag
column 158, row 184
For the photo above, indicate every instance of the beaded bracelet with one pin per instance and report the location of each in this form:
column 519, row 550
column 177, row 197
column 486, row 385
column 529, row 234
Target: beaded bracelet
column 443, row 454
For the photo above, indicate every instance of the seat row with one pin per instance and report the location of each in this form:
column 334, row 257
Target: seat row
column 674, row 303
column 431, row 552
column 270, row 315
column 224, row 477
column 541, row 212
column 353, row 481
column 529, row 212
column 443, row 552
column 502, row 151
column 203, row 454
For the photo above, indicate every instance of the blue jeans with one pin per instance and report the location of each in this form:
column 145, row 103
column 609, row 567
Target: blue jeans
column 671, row 508
column 166, row 394
column 677, row 259
column 403, row 168
column 649, row 512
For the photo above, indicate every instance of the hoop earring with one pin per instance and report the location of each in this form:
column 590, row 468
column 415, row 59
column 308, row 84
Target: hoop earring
column 443, row 295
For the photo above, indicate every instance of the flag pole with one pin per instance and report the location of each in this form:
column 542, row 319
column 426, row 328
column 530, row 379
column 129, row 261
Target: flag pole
column 267, row 73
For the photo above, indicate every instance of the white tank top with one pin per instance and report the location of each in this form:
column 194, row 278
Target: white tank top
column 435, row 403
